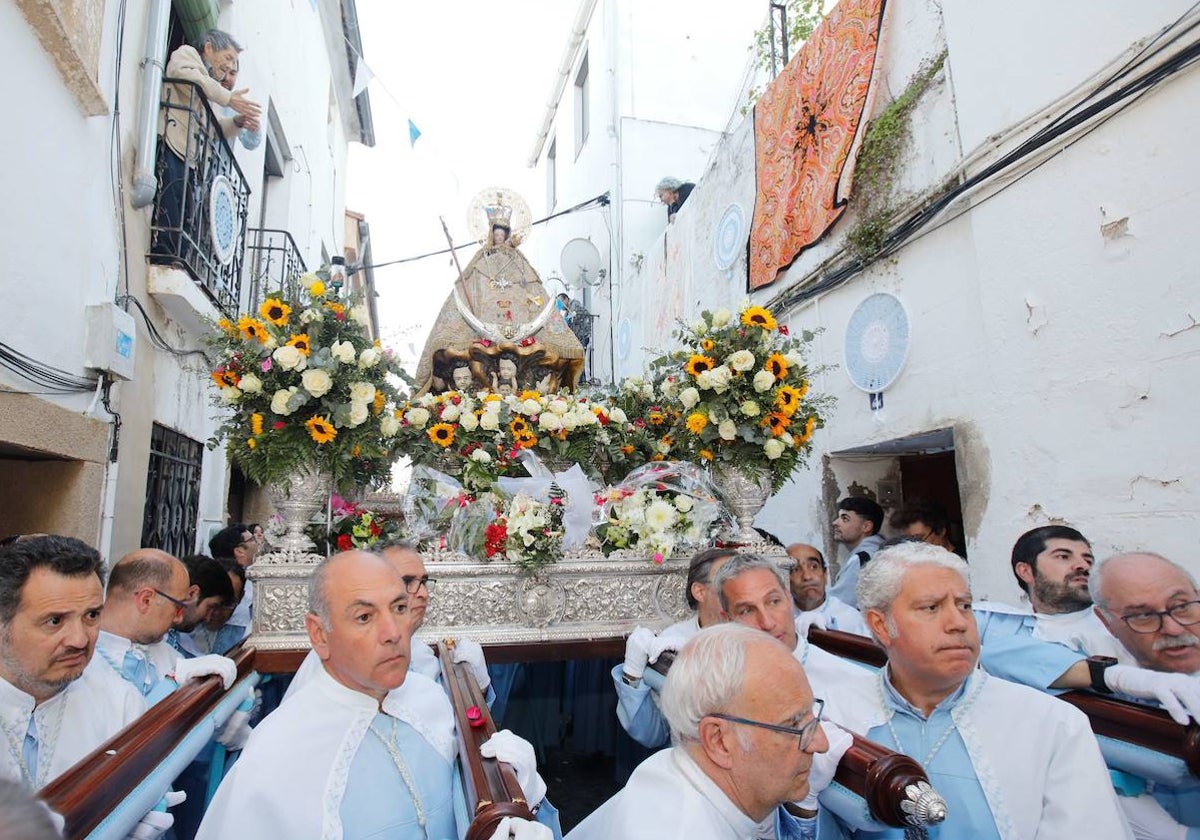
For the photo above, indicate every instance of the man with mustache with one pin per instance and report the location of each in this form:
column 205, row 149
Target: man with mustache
column 1009, row 761
column 814, row 606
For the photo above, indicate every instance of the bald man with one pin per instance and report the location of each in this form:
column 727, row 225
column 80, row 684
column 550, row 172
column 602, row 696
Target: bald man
column 814, row 606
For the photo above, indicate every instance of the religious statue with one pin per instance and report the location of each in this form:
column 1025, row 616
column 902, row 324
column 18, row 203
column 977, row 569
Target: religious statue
column 499, row 329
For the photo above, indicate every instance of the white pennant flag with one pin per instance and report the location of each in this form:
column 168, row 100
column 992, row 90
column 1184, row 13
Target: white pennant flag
column 362, row 77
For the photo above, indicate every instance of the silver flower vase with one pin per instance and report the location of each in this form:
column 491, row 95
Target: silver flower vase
column 296, row 500
column 744, row 495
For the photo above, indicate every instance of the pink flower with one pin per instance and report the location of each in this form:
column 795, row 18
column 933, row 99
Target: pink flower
column 265, row 364
column 658, row 558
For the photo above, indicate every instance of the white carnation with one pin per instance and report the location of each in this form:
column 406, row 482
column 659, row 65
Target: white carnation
column 531, row 406
column 750, row 408
column 490, row 421
column 389, row 425
column 558, row 406
column 550, row 421
column 317, row 382
column 763, row 381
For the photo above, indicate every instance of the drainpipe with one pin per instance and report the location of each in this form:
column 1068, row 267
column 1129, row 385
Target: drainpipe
column 145, row 184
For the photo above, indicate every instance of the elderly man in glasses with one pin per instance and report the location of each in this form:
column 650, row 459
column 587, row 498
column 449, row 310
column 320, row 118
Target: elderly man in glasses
column 1009, row 760
column 407, row 562
column 744, row 725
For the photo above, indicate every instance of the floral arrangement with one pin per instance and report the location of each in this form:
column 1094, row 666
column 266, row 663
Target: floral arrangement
column 656, row 508
column 351, row 527
column 527, row 532
column 741, row 387
column 305, row 387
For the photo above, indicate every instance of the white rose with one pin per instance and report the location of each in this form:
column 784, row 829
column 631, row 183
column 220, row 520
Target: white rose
column 699, row 327
column 750, row 408
column 358, row 413
column 418, row 417
column 317, row 382
column 773, row 448
column 670, row 388
column 343, row 351
column 531, row 407
column 468, row 421
column 720, row 379
column 727, row 429
column 570, row 421
column 231, row 395
column 617, row 415
column 763, row 380
column 279, row 402
column 451, row 412
column 360, row 314
column 787, row 439
column 427, row 401
column 704, row 380
column 794, row 358
column 251, row 384
column 550, row 421
column 558, row 406
column 362, row 392
column 369, row 357
column 684, row 503
column 289, row 358
column 721, row 318
column 742, row 360
column 310, row 315
column 481, row 456
column 689, row 397
column 490, row 421
column 389, row 425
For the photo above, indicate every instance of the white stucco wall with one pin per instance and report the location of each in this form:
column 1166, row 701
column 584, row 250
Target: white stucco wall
column 1061, row 357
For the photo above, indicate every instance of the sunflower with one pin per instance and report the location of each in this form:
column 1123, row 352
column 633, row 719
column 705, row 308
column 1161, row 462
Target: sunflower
column 706, row 345
column 777, row 365
column 697, row 364
column 492, row 398
column 317, row 289
column 252, row 328
column 705, row 454
column 256, row 421
column 275, row 311
column 756, row 316
column 300, row 342
column 225, row 377
column 380, row 400
column 809, row 425
column 777, row 422
column 442, row 434
column 526, row 440
column 530, row 395
column 656, row 417
column 803, row 389
column 226, row 326
column 320, row 429
column 788, row 400
column 518, row 427
column 696, row 423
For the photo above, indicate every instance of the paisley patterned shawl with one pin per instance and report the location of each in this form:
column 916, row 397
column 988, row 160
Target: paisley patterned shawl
column 805, row 128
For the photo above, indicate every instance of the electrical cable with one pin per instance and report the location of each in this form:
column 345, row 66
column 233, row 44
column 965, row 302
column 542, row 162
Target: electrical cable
column 156, row 337
column 55, row 380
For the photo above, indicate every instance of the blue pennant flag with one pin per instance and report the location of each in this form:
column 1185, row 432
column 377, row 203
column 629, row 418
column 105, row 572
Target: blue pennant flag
column 413, row 133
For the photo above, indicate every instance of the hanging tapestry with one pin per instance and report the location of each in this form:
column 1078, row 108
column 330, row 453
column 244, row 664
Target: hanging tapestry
column 806, row 125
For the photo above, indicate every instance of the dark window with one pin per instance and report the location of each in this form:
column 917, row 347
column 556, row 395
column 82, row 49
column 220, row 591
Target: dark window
column 552, row 175
column 581, row 105
column 172, row 492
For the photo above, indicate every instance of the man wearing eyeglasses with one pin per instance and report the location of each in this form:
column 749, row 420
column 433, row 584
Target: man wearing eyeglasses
column 745, row 727
column 1009, row 760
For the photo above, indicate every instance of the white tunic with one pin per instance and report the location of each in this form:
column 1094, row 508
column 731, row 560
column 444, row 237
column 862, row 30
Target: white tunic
column 1034, row 756
column 69, row 725
column 834, row 614
column 291, row 778
column 668, row 796
column 115, row 651
column 424, row 661
column 1081, row 630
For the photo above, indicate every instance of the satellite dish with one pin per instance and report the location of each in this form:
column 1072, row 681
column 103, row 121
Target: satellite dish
column 877, row 338
column 580, row 263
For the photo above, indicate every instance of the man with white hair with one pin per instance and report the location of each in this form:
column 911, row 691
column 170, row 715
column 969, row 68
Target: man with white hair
column 1010, row 761
column 744, row 727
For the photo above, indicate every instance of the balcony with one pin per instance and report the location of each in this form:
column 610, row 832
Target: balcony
column 199, row 222
column 273, row 264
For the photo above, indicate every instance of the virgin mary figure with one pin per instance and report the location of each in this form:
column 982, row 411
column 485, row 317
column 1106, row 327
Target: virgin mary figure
column 499, row 323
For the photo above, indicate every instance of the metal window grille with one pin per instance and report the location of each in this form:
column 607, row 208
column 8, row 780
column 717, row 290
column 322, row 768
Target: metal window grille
column 172, row 492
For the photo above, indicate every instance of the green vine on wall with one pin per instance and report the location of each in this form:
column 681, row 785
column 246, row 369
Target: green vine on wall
column 803, row 16
column 879, row 162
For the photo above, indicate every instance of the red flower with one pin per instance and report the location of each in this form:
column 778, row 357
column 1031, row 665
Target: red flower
column 344, row 543
column 494, row 537
column 376, row 529
column 279, row 424
column 783, row 329
column 527, row 342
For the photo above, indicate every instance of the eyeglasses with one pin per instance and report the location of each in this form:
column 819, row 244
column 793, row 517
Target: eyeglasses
column 1185, row 614
column 805, row 733
column 180, row 606
column 413, row 584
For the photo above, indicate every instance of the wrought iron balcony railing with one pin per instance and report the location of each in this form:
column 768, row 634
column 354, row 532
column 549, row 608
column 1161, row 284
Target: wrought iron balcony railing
column 201, row 207
column 273, row 264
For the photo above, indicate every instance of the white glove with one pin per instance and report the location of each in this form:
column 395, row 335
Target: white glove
column 156, row 823
column 1149, row 820
column 637, row 652
column 472, row 653
column 515, row 828
column 1178, row 694
column 507, row 747
column 824, row 765
column 665, row 642
column 235, row 732
column 187, row 670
